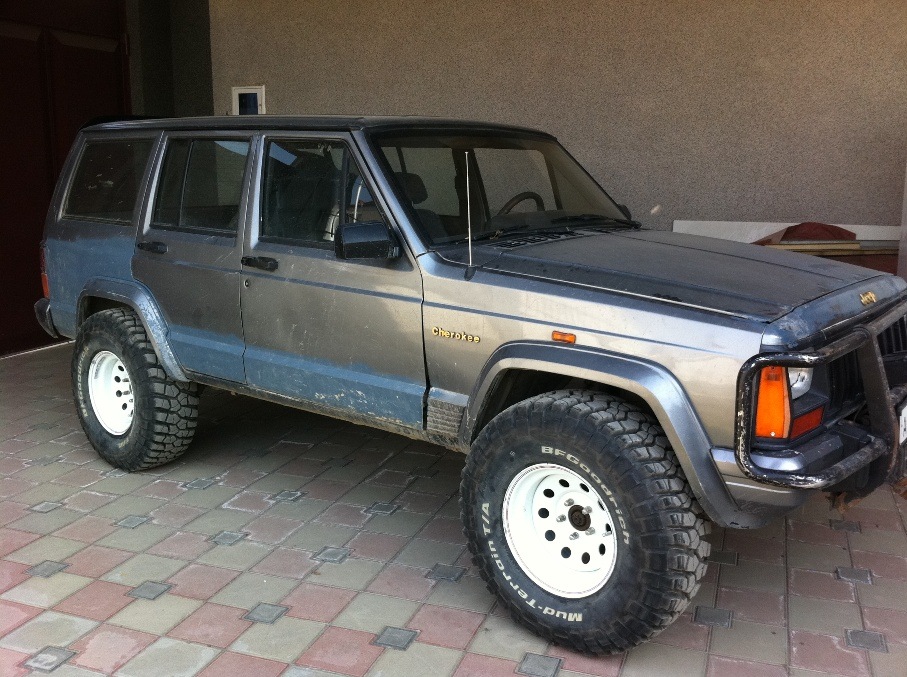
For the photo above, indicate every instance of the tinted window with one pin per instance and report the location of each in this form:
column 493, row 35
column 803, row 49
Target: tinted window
column 200, row 187
column 106, row 181
column 308, row 188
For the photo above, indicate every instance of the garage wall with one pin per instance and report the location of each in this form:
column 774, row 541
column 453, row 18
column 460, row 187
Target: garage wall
column 191, row 57
column 169, row 57
column 150, row 62
column 761, row 110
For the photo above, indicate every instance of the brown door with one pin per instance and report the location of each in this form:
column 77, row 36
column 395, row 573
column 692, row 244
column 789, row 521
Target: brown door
column 56, row 75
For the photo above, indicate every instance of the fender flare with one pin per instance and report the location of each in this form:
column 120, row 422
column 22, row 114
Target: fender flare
column 139, row 298
column 653, row 383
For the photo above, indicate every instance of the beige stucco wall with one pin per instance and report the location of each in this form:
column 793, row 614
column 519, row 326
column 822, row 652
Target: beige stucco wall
column 699, row 109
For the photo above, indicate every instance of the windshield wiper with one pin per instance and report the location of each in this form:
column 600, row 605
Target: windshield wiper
column 493, row 234
column 558, row 224
column 599, row 218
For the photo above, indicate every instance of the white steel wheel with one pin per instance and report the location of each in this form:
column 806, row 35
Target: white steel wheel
column 110, row 392
column 559, row 530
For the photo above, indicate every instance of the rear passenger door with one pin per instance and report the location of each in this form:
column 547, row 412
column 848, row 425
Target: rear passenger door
column 189, row 246
column 344, row 335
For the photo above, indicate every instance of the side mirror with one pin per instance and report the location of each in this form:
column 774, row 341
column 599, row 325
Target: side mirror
column 365, row 240
column 625, row 210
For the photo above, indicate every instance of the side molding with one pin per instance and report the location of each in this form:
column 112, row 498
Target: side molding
column 654, row 384
column 444, row 413
column 137, row 297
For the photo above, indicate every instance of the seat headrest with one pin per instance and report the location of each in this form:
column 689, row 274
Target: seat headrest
column 413, row 186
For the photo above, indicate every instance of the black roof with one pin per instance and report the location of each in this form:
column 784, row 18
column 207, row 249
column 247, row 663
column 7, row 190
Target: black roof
column 308, row 122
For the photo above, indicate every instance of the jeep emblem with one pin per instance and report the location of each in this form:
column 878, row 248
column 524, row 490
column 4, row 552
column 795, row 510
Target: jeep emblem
column 867, row 297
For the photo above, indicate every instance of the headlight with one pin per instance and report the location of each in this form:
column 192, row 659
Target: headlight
column 800, row 379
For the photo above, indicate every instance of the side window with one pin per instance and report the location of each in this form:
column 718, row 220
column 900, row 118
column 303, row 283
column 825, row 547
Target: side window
column 200, row 186
column 307, row 188
column 106, row 181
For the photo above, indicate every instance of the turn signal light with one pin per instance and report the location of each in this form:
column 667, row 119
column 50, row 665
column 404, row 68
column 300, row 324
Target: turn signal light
column 773, row 404
column 806, row 422
column 563, row 337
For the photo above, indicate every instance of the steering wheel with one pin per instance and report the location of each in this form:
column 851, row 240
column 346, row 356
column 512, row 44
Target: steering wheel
column 518, row 198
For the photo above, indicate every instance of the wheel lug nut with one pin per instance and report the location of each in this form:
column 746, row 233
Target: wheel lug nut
column 590, row 531
column 568, row 502
column 560, row 518
column 574, row 536
column 587, row 510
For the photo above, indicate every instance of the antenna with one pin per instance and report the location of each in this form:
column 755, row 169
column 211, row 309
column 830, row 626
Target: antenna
column 470, row 270
column 468, row 214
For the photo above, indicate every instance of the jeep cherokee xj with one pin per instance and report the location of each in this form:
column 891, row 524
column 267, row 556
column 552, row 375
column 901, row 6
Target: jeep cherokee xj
column 471, row 285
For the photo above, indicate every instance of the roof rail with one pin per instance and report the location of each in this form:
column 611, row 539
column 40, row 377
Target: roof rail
column 101, row 119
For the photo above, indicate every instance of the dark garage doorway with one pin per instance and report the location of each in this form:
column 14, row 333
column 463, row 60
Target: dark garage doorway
column 61, row 64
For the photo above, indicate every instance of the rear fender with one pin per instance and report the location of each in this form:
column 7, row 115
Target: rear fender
column 137, row 297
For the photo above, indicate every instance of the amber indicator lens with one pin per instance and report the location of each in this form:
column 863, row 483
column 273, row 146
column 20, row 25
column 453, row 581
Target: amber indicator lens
column 563, row 337
column 773, row 405
column 806, row 422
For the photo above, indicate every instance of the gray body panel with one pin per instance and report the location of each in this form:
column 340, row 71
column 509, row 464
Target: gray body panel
column 196, row 284
column 702, row 350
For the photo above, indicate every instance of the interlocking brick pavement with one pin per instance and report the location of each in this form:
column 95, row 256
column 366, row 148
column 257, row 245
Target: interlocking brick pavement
column 241, row 519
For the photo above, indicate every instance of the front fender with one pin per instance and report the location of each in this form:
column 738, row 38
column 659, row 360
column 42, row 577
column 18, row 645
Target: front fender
column 139, row 298
column 651, row 382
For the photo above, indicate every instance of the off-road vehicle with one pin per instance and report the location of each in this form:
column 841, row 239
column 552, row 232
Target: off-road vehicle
column 469, row 284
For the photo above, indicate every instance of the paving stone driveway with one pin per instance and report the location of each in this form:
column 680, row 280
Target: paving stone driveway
column 285, row 543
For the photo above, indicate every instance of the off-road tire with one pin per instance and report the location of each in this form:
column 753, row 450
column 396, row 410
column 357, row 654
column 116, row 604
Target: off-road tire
column 660, row 553
column 165, row 410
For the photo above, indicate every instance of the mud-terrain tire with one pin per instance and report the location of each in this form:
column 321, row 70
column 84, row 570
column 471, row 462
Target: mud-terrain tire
column 134, row 415
column 581, row 521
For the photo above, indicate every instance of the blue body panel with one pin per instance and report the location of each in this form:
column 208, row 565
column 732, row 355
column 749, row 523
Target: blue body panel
column 92, row 250
column 206, row 352
column 351, row 388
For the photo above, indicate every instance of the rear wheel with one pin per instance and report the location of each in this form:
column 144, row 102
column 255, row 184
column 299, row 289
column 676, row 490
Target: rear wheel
column 134, row 415
column 581, row 521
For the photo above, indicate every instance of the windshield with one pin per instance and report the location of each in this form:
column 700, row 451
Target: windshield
column 514, row 183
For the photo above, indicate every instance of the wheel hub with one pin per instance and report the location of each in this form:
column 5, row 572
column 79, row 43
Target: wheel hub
column 110, row 392
column 559, row 530
column 578, row 518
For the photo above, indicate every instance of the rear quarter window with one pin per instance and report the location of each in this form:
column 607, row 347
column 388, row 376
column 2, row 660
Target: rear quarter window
column 106, row 181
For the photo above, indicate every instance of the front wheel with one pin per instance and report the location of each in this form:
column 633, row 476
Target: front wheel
column 582, row 522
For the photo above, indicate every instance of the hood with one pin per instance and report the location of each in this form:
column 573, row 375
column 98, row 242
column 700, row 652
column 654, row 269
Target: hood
column 747, row 281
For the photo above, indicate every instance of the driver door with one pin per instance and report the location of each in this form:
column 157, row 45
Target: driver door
column 342, row 335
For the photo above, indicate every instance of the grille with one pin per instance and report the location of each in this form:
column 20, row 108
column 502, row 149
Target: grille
column 844, row 373
column 894, row 339
column 846, row 383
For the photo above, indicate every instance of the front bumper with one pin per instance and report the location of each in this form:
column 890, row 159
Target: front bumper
column 879, row 440
column 45, row 319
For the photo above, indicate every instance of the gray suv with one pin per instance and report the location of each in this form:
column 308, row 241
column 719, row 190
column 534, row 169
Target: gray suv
column 468, row 284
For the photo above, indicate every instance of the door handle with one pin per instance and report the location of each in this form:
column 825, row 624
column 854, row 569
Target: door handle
column 263, row 262
column 153, row 247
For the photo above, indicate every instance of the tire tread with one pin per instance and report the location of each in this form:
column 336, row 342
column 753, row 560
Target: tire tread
column 167, row 429
column 676, row 549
